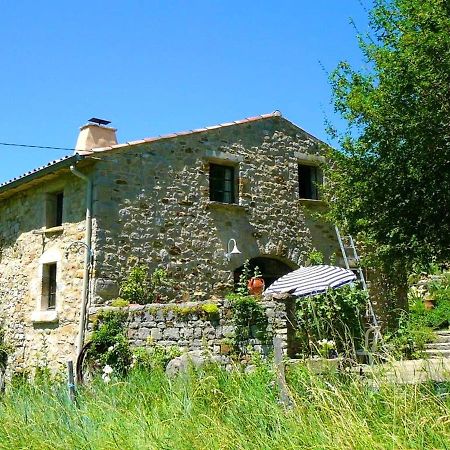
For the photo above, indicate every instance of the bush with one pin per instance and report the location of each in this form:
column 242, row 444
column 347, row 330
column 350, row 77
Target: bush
column 439, row 316
column 210, row 310
column 415, row 328
column 137, row 286
column 154, row 357
column 334, row 315
column 120, row 303
column 110, row 345
column 142, row 288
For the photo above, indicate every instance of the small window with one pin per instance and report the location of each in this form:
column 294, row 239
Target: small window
column 309, row 178
column 54, row 209
column 222, row 183
column 49, row 286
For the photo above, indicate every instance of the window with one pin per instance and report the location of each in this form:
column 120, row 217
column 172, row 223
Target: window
column 309, row 179
column 222, row 183
column 49, row 286
column 54, row 209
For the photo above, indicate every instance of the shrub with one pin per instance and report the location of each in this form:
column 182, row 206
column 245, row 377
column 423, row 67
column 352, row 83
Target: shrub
column 415, row 327
column 137, row 286
column 211, row 310
column 109, row 342
column 334, row 315
column 120, row 302
column 140, row 287
column 154, row 357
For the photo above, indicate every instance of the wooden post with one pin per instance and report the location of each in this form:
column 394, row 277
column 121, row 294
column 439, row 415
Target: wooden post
column 281, row 378
column 71, row 381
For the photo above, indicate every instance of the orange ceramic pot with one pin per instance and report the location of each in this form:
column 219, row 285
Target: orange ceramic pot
column 256, row 286
column 428, row 303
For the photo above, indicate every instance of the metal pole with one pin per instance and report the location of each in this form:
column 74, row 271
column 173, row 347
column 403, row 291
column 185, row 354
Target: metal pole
column 87, row 258
column 71, row 381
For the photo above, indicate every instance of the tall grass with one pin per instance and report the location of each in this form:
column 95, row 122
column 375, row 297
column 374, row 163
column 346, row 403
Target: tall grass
column 214, row 409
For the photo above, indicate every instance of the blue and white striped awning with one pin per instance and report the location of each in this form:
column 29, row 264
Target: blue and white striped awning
column 312, row 280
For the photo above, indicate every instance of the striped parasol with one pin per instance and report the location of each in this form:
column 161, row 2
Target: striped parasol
column 308, row 281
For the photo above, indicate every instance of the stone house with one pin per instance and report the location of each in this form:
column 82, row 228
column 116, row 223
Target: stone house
column 69, row 231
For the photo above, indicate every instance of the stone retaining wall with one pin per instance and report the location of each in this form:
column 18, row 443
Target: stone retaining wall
column 187, row 326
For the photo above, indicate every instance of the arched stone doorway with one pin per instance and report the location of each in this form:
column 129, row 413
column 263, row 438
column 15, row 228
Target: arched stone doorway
column 270, row 268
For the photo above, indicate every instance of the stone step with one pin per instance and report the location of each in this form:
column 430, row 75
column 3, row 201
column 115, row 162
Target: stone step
column 438, row 346
column 437, row 353
column 442, row 336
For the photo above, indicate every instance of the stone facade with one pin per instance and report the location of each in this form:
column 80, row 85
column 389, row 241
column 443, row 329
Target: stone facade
column 151, row 204
column 38, row 336
column 163, row 216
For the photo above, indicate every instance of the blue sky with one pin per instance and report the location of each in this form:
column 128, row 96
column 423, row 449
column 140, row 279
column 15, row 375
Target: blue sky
column 153, row 67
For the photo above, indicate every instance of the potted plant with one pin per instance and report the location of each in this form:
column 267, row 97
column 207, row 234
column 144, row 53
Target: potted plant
column 256, row 283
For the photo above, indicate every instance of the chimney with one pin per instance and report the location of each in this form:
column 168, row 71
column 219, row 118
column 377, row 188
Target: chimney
column 95, row 134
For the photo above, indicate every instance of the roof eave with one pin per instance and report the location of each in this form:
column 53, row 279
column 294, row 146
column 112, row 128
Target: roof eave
column 65, row 163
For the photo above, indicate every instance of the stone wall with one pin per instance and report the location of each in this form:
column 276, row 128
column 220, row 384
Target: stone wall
column 186, row 326
column 152, row 204
column 40, row 337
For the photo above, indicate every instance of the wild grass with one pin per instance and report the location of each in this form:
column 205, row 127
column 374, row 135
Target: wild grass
column 214, row 409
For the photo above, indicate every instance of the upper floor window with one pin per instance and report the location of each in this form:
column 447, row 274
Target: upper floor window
column 309, row 179
column 222, row 183
column 54, row 210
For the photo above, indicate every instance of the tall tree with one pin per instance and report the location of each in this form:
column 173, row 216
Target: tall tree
column 391, row 178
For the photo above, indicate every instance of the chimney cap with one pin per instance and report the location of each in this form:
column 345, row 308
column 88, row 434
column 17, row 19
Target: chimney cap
column 99, row 121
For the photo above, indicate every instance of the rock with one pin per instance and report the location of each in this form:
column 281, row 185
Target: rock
column 182, row 363
column 195, row 359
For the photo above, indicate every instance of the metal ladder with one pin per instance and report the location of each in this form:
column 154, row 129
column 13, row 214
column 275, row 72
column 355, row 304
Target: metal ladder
column 350, row 255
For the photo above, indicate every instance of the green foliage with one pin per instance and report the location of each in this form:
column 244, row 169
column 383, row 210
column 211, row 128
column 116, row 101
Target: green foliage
column 242, row 288
column 141, row 287
column 217, row 409
column 207, row 311
column 439, row 316
column 4, row 351
column 413, row 332
column 245, row 276
column 390, row 181
column 154, row 357
column 137, row 287
column 250, row 321
column 415, row 328
column 120, row 303
column 315, row 257
column 211, row 310
column 159, row 278
column 335, row 315
column 109, row 342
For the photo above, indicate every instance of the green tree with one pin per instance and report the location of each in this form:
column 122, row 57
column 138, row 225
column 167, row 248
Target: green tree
column 390, row 181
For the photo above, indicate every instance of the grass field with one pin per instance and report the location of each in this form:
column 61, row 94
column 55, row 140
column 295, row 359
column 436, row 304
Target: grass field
column 214, row 409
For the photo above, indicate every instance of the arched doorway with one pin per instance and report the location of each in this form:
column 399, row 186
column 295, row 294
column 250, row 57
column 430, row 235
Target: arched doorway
column 270, row 268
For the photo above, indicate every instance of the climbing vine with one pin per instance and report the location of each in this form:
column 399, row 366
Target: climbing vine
column 249, row 320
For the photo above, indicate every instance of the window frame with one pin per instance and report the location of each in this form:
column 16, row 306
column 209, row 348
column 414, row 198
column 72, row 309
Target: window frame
column 220, row 195
column 49, row 289
column 54, row 209
column 309, row 190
